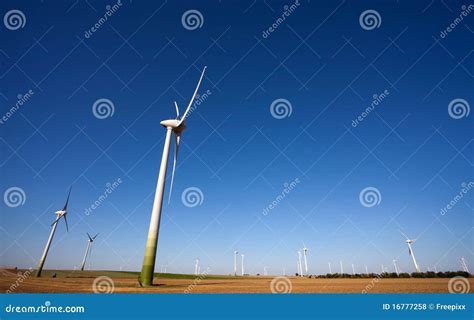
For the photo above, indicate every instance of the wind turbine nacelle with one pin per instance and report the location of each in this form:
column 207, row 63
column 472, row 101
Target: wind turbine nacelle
column 171, row 123
column 60, row 212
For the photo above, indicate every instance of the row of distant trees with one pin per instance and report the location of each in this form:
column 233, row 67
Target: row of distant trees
column 430, row 274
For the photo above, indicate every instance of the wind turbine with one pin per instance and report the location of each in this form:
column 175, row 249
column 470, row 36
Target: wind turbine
column 242, row 261
column 366, row 270
column 175, row 126
column 353, row 270
column 305, row 253
column 196, row 267
column 342, row 269
column 330, row 270
column 395, row 265
column 59, row 214
column 299, row 263
column 265, row 273
column 410, row 250
column 89, row 245
column 464, row 265
column 235, row 262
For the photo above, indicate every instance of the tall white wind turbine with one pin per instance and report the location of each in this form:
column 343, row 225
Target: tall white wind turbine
column 353, row 270
column 342, row 269
column 89, row 246
column 305, row 253
column 196, row 267
column 330, row 270
column 410, row 250
column 299, row 263
column 59, row 214
column 395, row 265
column 464, row 265
column 235, row 262
column 242, row 261
column 176, row 127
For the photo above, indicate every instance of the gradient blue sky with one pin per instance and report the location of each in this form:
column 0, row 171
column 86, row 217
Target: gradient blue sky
column 320, row 60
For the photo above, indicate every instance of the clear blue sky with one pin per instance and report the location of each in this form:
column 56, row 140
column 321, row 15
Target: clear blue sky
column 320, row 59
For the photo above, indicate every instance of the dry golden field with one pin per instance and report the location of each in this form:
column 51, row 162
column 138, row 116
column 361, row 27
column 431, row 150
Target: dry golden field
column 123, row 282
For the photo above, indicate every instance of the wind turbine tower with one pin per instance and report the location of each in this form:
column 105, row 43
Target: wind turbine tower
column 410, row 250
column 59, row 214
column 90, row 240
column 176, row 127
column 395, row 265
column 235, row 262
column 305, row 253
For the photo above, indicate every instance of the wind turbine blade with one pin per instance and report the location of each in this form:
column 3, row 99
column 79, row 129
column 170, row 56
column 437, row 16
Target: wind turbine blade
column 55, row 221
column 90, row 238
column 93, row 238
column 193, row 97
column 177, row 139
column 67, row 200
column 65, row 220
column 406, row 237
column 177, row 110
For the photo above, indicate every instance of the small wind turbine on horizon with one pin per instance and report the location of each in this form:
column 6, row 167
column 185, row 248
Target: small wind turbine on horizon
column 300, row 264
column 464, row 265
column 89, row 246
column 235, row 262
column 410, row 250
column 242, row 265
column 395, row 265
column 305, row 253
column 342, row 269
column 196, row 267
column 330, row 270
column 176, row 127
column 353, row 270
column 59, row 214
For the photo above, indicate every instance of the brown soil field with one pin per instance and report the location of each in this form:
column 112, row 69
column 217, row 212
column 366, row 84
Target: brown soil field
column 121, row 282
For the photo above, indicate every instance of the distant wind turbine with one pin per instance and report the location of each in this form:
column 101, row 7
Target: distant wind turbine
column 410, row 250
column 59, row 214
column 88, row 248
column 305, row 253
column 330, row 270
column 242, row 261
column 395, row 265
column 299, row 263
column 464, row 265
column 235, row 262
column 176, row 127
column 342, row 269
column 196, row 267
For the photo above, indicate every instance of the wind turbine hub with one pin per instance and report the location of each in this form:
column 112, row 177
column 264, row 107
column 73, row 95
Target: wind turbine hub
column 170, row 123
